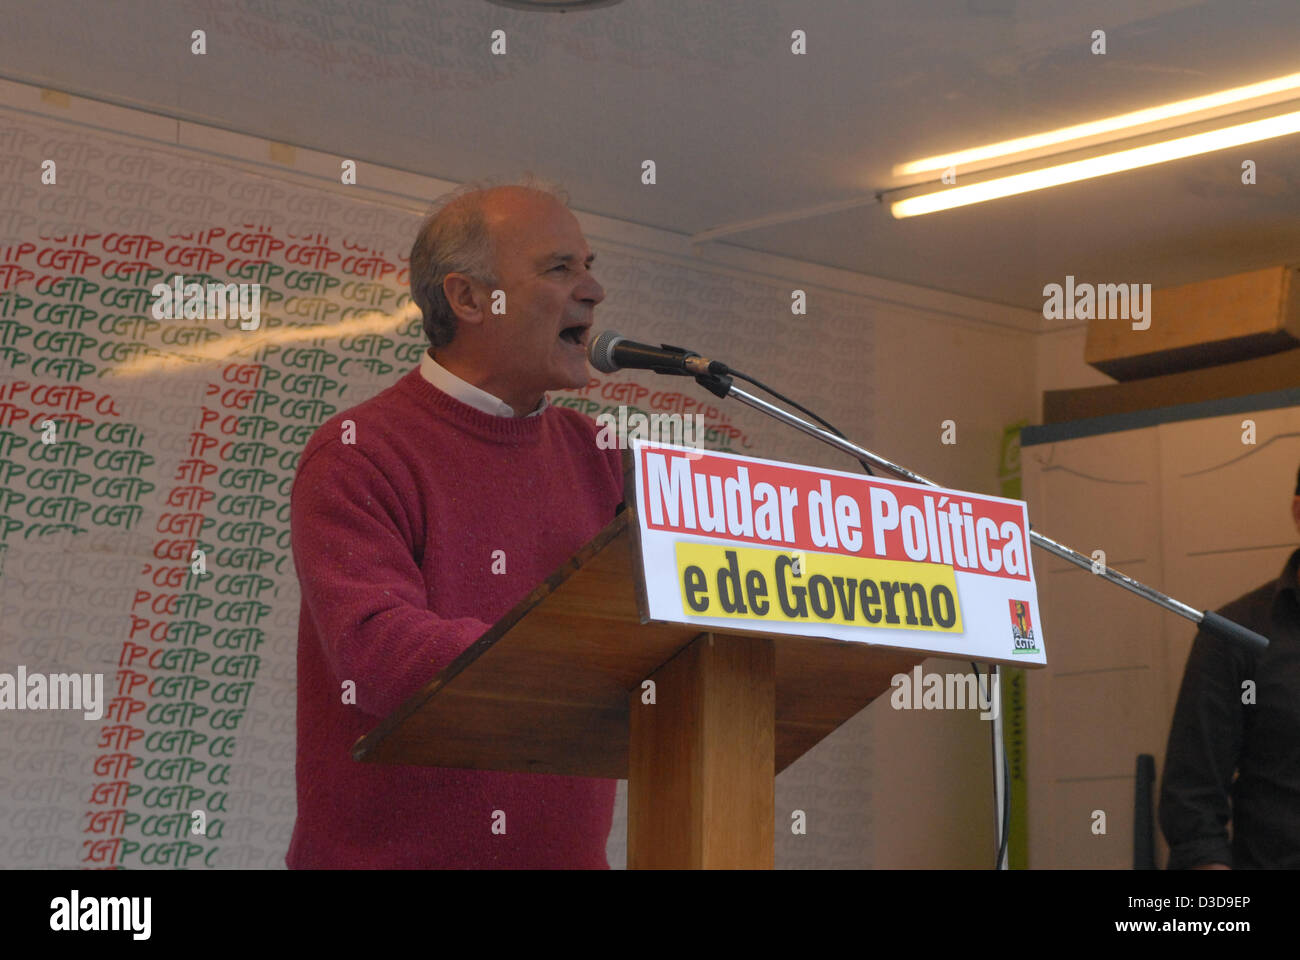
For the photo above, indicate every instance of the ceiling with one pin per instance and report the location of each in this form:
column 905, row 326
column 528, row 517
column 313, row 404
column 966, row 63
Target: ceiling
column 739, row 128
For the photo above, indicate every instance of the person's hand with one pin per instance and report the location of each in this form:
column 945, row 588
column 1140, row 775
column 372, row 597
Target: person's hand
column 1211, row 866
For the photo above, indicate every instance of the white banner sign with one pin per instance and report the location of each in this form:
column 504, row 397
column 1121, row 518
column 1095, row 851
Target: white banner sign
column 758, row 545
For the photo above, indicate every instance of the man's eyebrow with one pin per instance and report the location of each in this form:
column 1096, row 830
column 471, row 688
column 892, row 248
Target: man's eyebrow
column 564, row 258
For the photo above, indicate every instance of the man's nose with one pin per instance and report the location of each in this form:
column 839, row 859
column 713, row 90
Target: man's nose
column 589, row 291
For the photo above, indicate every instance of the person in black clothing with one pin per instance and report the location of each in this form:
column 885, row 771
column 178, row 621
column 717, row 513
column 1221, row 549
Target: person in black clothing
column 1239, row 713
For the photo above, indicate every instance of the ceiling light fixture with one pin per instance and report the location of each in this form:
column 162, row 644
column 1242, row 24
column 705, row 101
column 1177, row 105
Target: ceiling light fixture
column 1149, row 120
column 1099, row 166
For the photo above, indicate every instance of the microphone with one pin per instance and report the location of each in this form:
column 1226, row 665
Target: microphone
column 612, row 351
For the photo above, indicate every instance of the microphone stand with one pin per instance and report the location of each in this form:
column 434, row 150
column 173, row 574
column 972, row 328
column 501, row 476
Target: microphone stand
column 722, row 385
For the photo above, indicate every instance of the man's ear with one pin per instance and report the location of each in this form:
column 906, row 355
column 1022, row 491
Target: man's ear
column 467, row 300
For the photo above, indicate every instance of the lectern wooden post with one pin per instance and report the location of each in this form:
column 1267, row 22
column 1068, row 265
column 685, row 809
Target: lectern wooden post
column 702, row 764
column 558, row 686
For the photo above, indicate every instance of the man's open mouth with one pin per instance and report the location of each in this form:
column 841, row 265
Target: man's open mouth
column 576, row 335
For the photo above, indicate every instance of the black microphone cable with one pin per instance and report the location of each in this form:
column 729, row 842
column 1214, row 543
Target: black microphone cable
column 728, row 371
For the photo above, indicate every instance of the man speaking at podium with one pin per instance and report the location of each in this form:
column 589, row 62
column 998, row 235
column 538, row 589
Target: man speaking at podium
column 423, row 515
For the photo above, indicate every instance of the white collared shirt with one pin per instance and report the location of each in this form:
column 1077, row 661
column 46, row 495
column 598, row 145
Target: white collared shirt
column 466, row 392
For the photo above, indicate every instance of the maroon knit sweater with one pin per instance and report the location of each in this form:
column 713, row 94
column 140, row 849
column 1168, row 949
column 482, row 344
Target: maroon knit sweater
column 393, row 543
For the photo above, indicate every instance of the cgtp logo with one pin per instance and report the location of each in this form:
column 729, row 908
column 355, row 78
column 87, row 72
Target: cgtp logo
column 1022, row 628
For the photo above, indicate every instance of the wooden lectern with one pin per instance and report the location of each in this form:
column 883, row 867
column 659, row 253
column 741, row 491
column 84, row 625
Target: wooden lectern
column 557, row 686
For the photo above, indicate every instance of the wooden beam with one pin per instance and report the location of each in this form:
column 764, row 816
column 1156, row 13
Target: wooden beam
column 702, row 770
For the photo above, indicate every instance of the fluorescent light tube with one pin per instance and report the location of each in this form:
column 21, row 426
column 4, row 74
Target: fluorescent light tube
column 1099, row 166
column 1151, row 116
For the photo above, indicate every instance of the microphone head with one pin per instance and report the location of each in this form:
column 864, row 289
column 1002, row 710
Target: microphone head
column 601, row 352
